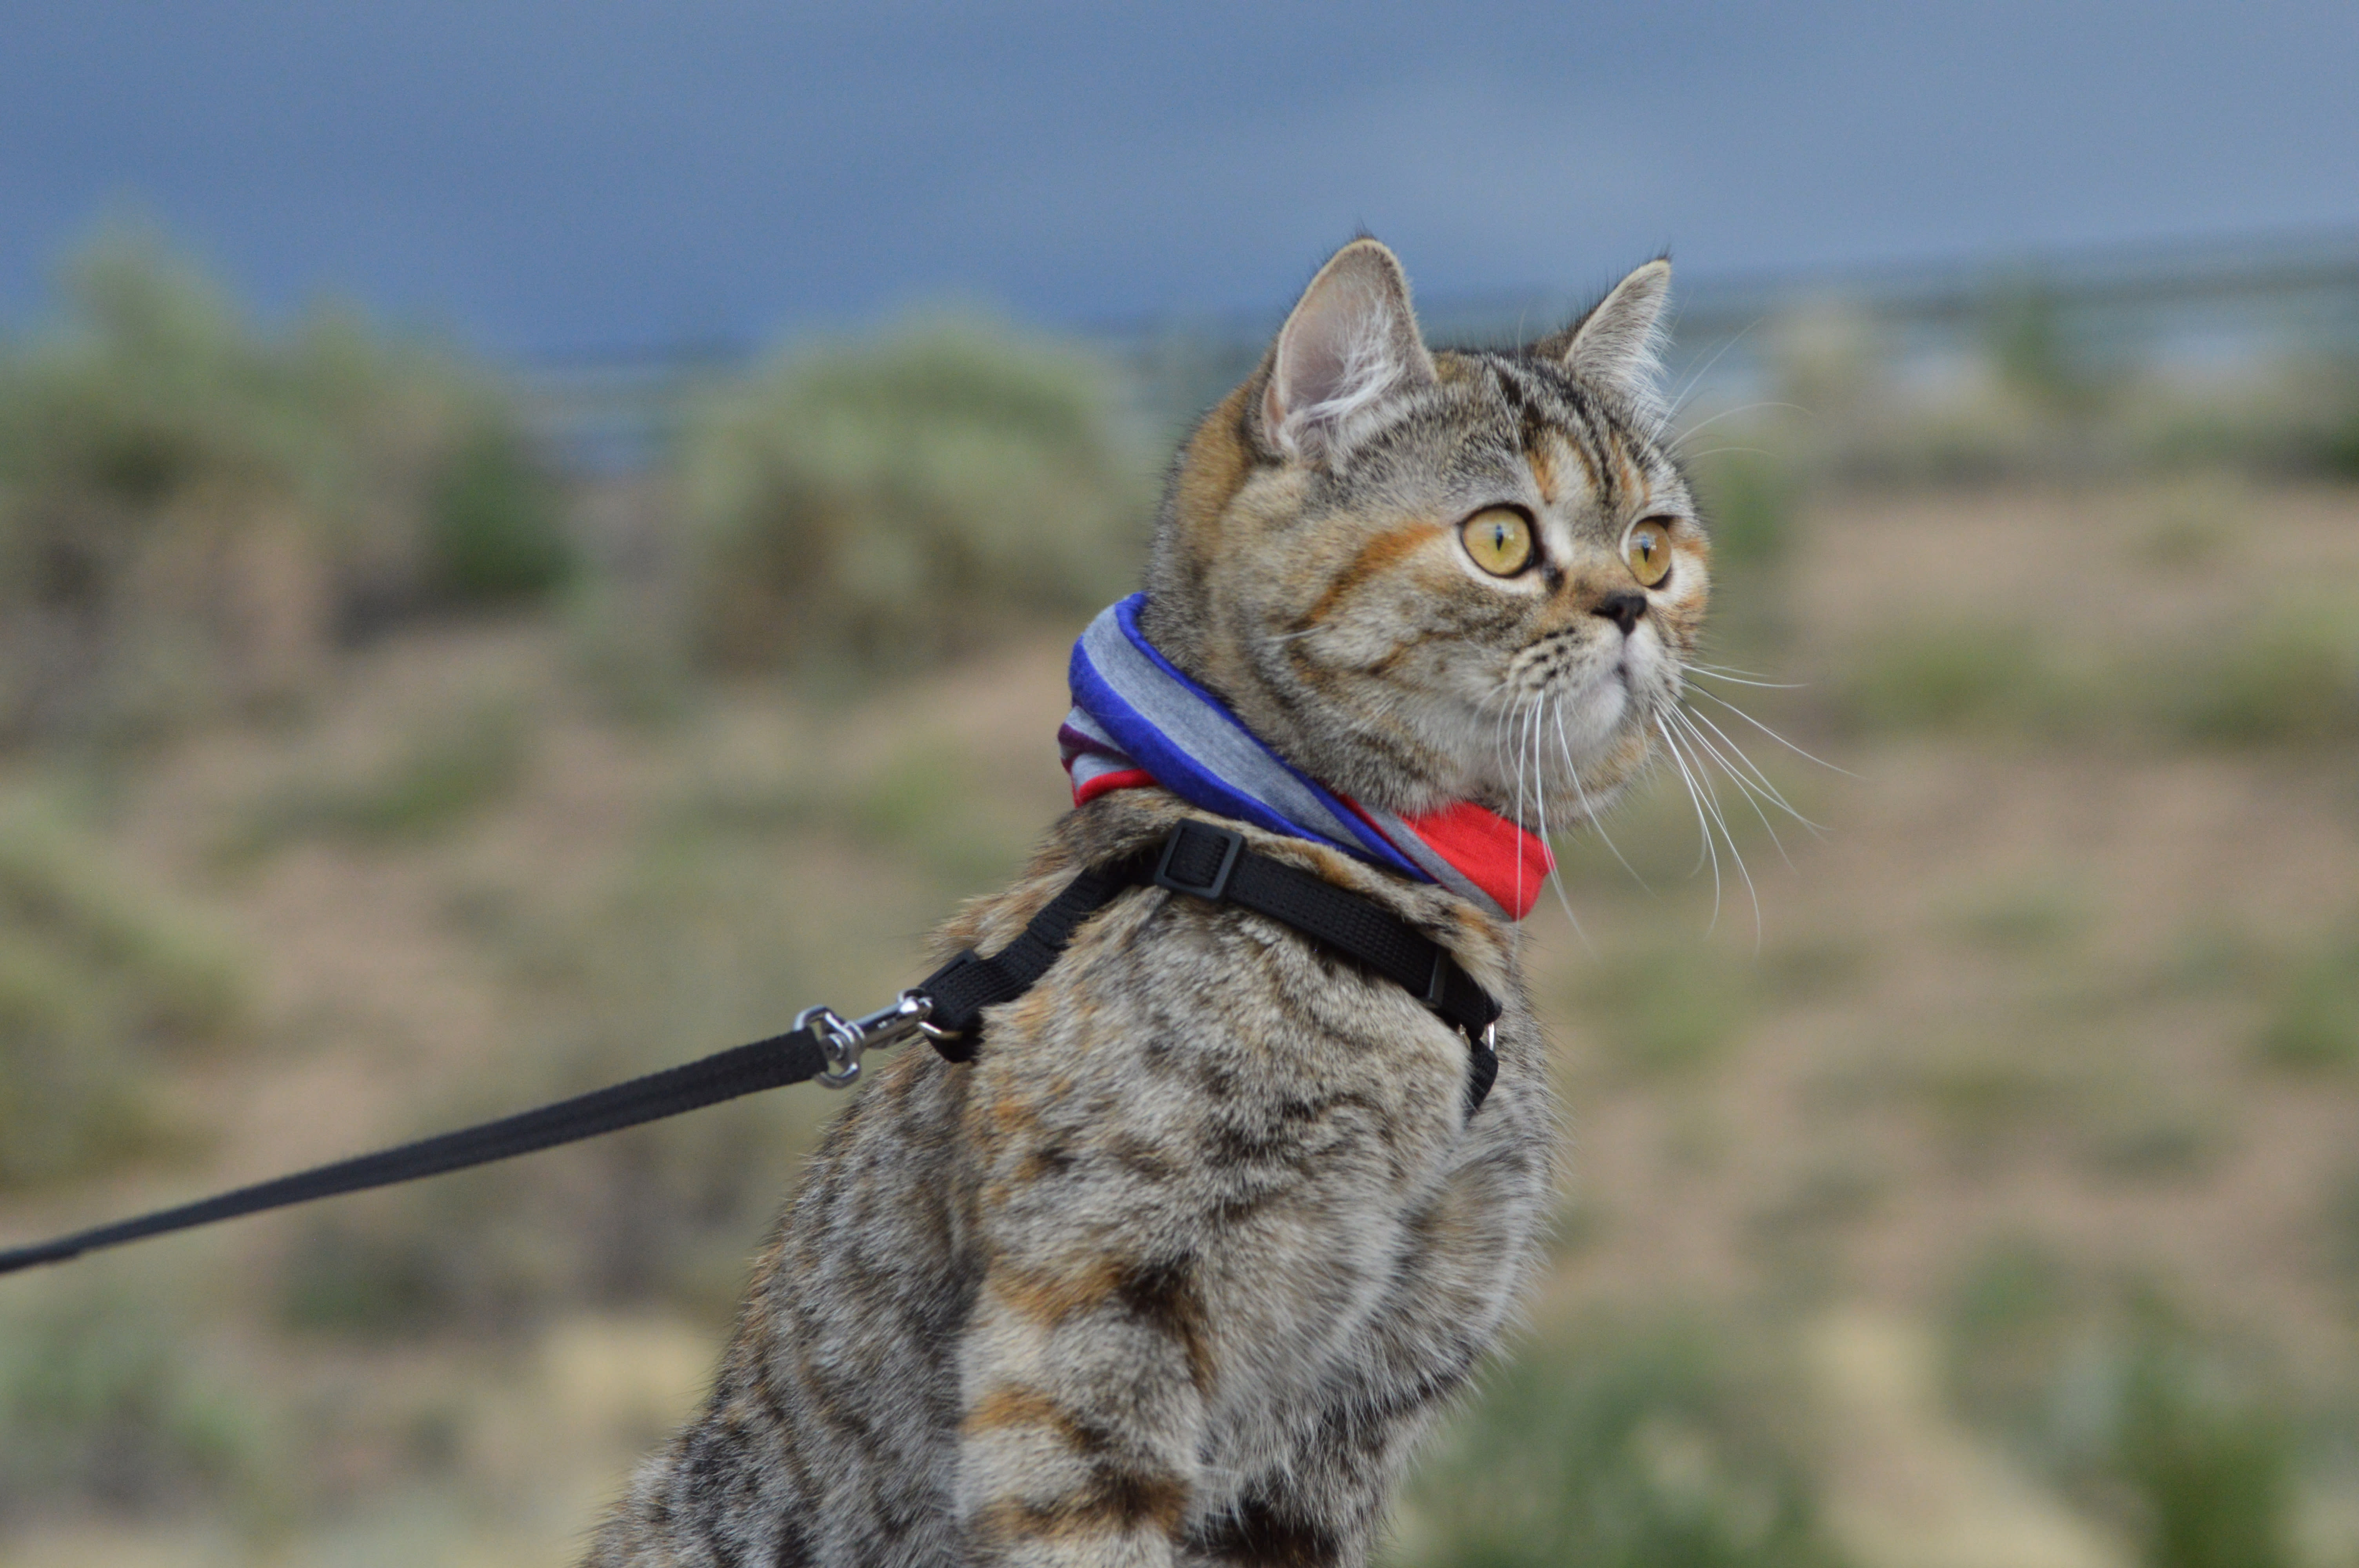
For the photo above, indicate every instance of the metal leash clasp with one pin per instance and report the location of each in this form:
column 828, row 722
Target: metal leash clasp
column 842, row 1040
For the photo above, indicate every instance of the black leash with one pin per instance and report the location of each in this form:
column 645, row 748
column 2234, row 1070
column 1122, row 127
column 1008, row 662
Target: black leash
column 1196, row 859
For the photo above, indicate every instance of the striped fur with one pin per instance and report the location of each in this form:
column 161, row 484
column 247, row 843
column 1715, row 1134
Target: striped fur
column 1179, row 1268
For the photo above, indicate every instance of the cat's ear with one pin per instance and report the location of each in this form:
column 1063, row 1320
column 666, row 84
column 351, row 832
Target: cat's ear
column 1619, row 344
column 1350, row 348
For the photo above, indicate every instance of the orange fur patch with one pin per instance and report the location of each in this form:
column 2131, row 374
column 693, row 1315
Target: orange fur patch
column 1371, row 558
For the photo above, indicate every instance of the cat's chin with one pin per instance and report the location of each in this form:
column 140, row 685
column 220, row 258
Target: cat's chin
column 1590, row 721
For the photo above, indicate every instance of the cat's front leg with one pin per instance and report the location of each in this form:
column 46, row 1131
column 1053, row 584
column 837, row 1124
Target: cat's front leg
column 1082, row 1414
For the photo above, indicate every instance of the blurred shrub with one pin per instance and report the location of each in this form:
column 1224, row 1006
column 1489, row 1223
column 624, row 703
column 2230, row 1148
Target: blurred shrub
column 2281, row 675
column 2172, row 1433
column 1658, row 1020
column 1955, row 677
column 702, row 939
column 497, row 518
column 100, row 1409
column 882, row 505
column 2314, row 1021
column 93, row 978
column 192, row 510
column 1749, row 498
column 2027, row 338
column 450, row 767
column 2211, row 1470
column 1649, row 1445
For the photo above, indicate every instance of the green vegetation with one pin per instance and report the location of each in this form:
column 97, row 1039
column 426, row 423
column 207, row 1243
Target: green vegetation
column 496, row 520
column 2279, row 675
column 2287, row 677
column 1965, row 675
column 2314, row 1021
column 879, row 506
column 2176, row 1435
column 101, row 1402
column 450, row 767
column 1749, row 501
column 1664, row 1020
column 97, row 980
column 1627, row 1444
column 192, row 511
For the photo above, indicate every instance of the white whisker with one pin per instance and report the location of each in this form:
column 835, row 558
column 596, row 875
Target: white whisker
column 1752, row 796
column 1589, row 813
column 1711, row 804
column 1690, row 432
column 1703, row 827
column 1773, row 734
column 1710, row 674
column 1555, row 876
column 1769, row 791
column 1679, row 403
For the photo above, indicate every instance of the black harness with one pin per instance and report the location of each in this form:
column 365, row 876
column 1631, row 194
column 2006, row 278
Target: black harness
column 1196, row 858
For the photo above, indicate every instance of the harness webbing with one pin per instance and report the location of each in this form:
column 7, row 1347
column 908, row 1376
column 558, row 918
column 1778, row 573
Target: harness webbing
column 1196, row 859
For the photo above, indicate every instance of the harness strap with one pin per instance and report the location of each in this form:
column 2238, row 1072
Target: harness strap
column 1211, row 862
column 1196, row 859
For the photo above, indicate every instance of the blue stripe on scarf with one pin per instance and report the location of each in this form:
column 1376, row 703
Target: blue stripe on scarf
column 1197, row 749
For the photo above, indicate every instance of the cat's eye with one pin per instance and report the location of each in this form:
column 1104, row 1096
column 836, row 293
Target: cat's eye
column 1500, row 540
column 1648, row 550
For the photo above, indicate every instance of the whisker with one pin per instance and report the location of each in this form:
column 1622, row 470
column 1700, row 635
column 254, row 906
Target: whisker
column 1555, row 877
column 1690, row 432
column 1589, row 814
column 1711, row 804
column 1769, row 790
column 1773, row 734
column 1679, row 403
column 1519, row 810
column 1708, row 673
column 1752, row 796
column 1680, row 762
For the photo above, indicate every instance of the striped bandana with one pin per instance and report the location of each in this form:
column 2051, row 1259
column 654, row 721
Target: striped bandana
column 1139, row 721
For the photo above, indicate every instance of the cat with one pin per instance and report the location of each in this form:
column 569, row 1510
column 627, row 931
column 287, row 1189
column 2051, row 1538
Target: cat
column 1182, row 1265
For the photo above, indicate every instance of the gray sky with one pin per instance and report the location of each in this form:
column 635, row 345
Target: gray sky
column 583, row 178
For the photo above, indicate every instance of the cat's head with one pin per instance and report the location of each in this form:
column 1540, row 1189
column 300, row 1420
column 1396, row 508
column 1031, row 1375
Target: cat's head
column 1424, row 577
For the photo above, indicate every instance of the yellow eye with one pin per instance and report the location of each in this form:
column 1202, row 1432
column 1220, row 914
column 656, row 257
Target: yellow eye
column 1500, row 540
column 1649, row 550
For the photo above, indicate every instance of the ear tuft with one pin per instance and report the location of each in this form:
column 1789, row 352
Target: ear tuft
column 1619, row 344
column 1350, row 348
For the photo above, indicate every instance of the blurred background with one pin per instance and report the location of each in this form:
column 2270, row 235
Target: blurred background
column 536, row 540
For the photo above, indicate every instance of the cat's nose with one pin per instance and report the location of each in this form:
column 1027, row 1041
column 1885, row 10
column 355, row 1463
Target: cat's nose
column 1622, row 608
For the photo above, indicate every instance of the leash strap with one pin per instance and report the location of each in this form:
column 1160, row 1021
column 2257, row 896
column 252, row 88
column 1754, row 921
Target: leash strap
column 783, row 1059
column 1196, row 859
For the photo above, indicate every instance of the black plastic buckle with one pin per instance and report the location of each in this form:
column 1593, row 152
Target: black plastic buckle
column 1233, row 844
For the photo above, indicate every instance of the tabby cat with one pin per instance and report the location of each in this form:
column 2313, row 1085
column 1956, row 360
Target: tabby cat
column 1178, row 1269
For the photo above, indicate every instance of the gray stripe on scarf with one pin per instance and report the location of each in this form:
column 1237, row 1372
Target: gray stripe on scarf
column 1213, row 737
